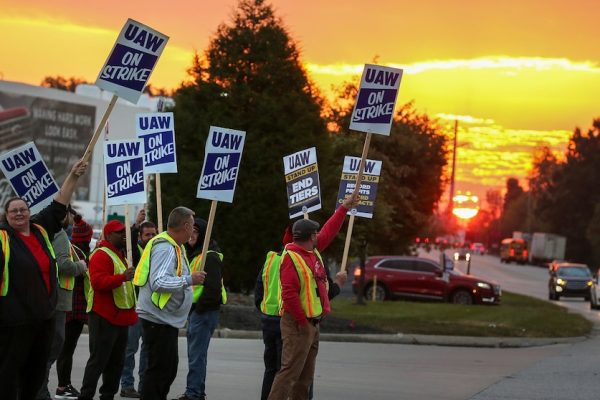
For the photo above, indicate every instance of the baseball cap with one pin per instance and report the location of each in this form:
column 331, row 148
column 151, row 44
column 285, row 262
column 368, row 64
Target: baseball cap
column 113, row 226
column 303, row 228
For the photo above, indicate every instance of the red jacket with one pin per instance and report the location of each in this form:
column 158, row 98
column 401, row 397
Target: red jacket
column 104, row 280
column 290, row 283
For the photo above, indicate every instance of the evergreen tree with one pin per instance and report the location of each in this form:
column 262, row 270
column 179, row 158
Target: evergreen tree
column 251, row 79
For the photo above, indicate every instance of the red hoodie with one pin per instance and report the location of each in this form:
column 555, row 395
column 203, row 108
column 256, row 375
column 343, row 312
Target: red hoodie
column 104, row 280
column 290, row 283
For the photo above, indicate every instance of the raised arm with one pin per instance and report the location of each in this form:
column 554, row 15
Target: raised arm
column 68, row 187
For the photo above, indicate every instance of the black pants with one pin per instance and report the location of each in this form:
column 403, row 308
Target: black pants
column 24, row 352
column 272, row 355
column 107, row 355
column 163, row 358
column 64, row 364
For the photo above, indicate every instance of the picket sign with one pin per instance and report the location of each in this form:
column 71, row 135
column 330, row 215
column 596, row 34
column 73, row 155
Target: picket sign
column 302, row 182
column 373, row 113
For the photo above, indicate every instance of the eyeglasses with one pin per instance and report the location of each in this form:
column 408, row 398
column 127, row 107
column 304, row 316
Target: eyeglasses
column 16, row 211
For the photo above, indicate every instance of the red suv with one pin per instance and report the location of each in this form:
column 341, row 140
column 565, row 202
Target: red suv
column 423, row 278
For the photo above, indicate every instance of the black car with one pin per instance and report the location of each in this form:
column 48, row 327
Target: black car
column 569, row 280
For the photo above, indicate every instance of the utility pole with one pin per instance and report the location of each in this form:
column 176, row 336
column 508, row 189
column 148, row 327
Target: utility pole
column 452, row 175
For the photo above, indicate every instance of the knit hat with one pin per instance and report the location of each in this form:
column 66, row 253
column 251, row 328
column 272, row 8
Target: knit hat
column 82, row 231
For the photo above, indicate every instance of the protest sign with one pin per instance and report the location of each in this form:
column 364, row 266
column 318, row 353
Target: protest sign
column 124, row 171
column 29, row 177
column 302, row 181
column 131, row 61
column 158, row 132
column 222, row 156
column 376, row 100
column 368, row 186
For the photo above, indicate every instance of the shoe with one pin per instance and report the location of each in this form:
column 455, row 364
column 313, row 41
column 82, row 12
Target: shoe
column 186, row 397
column 69, row 392
column 130, row 393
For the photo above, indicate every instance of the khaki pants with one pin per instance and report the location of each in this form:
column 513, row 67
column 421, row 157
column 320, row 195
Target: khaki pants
column 298, row 358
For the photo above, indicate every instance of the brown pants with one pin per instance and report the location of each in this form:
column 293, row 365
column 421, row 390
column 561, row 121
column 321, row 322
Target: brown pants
column 298, row 358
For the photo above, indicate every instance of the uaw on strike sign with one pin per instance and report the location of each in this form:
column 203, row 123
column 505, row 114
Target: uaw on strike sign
column 368, row 187
column 302, row 181
column 124, row 168
column 29, row 177
column 374, row 108
column 158, row 132
column 131, row 60
column 222, row 157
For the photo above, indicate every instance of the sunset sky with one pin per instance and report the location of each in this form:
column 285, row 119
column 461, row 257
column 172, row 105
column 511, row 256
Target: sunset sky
column 516, row 73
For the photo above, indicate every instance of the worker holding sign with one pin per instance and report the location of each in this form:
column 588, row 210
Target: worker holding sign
column 304, row 292
column 28, row 288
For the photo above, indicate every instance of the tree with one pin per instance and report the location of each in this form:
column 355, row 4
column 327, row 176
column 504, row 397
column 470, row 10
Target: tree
column 250, row 78
column 62, row 83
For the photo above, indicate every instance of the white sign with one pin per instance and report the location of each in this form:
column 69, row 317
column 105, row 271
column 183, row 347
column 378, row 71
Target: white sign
column 222, row 156
column 131, row 60
column 29, row 177
column 376, row 100
column 124, row 171
column 302, row 182
column 158, row 132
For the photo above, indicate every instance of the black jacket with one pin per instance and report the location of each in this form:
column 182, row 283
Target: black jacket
column 210, row 300
column 27, row 300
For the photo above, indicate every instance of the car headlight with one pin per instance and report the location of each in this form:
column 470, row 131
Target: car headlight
column 561, row 281
column 468, row 256
column 456, row 256
column 484, row 285
column 589, row 283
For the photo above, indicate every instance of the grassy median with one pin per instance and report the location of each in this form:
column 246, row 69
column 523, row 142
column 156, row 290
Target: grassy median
column 518, row 316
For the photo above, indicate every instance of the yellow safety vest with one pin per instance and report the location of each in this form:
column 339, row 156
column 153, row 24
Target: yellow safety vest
column 4, row 242
column 124, row 295
column 64, row 281
column 195, row 266
column 142, row 271
column 271, row 284
column 311, row 304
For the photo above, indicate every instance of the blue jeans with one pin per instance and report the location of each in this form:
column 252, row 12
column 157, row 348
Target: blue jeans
column 199, row 331
column 133, row 343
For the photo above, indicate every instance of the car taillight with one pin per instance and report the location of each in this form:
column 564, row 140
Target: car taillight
column 524, row 253
column 512, row 252
column 357, row 272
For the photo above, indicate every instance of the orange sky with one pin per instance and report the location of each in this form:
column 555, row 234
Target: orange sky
column 516, row 73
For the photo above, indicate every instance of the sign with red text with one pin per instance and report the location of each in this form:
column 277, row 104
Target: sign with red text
column 368, row 187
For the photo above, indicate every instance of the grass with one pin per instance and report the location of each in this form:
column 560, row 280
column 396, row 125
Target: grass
column 517, row 316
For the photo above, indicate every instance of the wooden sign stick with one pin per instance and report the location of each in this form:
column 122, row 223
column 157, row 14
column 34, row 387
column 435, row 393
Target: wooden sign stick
column 356, row 190
column 128, row 237
column 90, row 147
column 211, row 220
column 158, row 203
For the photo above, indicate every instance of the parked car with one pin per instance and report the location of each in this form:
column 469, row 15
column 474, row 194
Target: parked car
column 416, row 277
column 478, row 248
column 462, row 254
column 513, row 250
column 569, row 280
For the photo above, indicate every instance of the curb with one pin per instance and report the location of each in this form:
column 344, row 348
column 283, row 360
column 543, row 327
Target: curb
column 400, row 338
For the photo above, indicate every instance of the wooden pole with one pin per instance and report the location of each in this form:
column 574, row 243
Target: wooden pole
column 159, row 217
column 128, row 237
column 305, row 215
column 211, row 220
column 361, row 167
column 103, row 208
column 90, row 147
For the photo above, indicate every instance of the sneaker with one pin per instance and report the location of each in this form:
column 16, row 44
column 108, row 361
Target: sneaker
column 130, row 393
column 69, row 392
column 186, row 397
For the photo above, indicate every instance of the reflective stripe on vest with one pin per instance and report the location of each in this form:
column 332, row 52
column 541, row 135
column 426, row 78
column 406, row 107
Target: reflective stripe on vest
column 311, row 304
column 142, row 271
column 271, row 284
column 195, row 266
column 6, row 252
column 124, row 295
column 64, row 281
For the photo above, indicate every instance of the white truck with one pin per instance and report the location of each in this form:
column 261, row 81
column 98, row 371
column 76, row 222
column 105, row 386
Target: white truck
column 546, row 247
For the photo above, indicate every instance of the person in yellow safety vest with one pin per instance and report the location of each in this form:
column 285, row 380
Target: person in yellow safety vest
column 267, row 299
column 68, row 268
column 305, row 301
column 204, row 316
column 111, row 308
column 165, row 299
column 144, row 231
column 76, row 318
column 28, row 288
